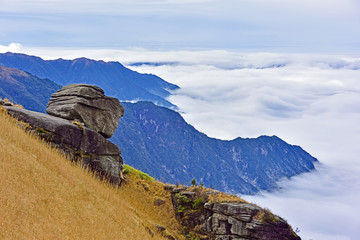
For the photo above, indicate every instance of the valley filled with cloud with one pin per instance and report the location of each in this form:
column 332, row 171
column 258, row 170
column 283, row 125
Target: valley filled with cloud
column 307, row 100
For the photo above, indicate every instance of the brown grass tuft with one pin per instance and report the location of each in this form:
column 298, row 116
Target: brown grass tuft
column 19, row 106
column 78, row 124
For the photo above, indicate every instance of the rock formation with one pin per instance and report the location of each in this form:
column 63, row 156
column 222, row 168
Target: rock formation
column 209, row 218
column 87, row 104
column 80, row 141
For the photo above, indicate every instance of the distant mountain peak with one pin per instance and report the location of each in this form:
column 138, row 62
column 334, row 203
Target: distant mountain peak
column 116, row 80
column 174, row 151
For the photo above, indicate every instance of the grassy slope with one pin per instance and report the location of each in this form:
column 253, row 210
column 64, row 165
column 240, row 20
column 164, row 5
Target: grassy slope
column 44, row 196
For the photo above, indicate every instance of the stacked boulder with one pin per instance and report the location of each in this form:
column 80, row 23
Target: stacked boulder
column 80, row 118
column 89, row 105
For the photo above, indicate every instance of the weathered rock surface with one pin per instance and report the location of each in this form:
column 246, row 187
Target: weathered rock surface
column 87, row 104
column 78, row 142
column 226, row 220
column 244, row 221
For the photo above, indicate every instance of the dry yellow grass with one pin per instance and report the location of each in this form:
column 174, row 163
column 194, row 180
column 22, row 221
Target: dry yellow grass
column 215, row 198
column 45, row 196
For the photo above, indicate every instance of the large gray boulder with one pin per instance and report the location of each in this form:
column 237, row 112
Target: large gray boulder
column 87, row 104
column 78, row 142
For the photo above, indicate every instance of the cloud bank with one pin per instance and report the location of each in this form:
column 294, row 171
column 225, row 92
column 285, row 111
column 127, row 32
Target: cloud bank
column 307, row 100
column 12, row 47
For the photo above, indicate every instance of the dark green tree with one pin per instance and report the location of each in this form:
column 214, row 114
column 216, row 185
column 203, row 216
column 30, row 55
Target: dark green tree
column 193, row 182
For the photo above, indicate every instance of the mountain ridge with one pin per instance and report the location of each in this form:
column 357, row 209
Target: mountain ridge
column 117, row 80
column 25, row 88
column 174, row 151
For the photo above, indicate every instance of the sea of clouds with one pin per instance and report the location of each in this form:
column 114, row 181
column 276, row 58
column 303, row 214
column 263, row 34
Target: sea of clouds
column 306, row 99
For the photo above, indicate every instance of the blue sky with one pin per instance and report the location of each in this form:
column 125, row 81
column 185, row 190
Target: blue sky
column 270, row 25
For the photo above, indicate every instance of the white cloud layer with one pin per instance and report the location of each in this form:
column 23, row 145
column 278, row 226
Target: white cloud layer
column 324, row 205
column 308, row 100
column 12, row 47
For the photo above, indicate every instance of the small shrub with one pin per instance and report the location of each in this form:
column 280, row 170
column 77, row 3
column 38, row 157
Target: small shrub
column 192, row 236
column 181, row 198
column 181, row 208
column 197, row 203
column 193, row 182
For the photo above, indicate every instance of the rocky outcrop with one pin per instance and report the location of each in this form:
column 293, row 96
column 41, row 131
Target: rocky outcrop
column 235, row 220
column 206, row 216
column 87, row 104
column 75, row 138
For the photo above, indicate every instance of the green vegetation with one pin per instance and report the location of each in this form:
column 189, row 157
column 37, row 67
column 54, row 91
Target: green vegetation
column 193, row 182
column 42, row 131
column 181, row 198
column 182, row 201
column 197, row 203
column 128, row 169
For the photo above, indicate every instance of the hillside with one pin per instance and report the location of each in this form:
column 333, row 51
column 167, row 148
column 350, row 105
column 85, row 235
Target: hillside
column 21, row 87
column 117, row 80
column 45, row 196
column 157, row 140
